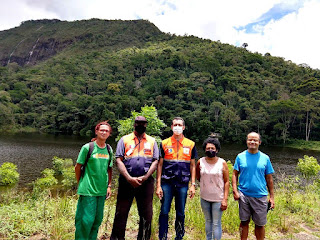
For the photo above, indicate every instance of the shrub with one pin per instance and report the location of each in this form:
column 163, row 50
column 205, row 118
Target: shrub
column 8, row 174
column 308, row 167
column 69, row 177
column 59, row 164
column 48, row 180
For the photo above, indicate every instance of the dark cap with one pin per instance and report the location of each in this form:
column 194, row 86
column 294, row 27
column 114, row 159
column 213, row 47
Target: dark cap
column 140, row 119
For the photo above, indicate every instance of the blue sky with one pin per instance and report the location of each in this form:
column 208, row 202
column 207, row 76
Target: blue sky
column 276, row 13
column 284, row 28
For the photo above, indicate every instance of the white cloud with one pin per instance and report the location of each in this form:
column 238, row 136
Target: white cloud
column 293, row 36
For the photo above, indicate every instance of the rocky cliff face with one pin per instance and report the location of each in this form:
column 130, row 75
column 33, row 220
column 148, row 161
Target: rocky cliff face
column 42, row 50
column 36, row 41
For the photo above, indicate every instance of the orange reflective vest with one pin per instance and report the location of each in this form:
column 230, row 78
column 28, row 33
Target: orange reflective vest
column 138, row 154
column 176, row 159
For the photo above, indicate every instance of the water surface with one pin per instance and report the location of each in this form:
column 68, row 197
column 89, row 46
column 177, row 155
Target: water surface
column 32, row 153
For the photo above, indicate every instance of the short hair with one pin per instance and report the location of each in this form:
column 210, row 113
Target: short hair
column 255, row 133
column 214, row 141
column 97, row 127
column 178, row 118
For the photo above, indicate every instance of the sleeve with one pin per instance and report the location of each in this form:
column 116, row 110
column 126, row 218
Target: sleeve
column 83, row 154
column 155, row 151
column 236, row 164
column 194, row 153
column 269, row 168
column 111, row 157
column 161, row 151
column 120, row 149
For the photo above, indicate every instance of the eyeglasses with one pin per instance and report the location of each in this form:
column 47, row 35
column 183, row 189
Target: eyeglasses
column 104, row 130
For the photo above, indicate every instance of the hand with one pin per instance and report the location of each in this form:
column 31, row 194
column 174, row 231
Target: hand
column 271, row 200
column 236, row 195
column 108, row 193
column 192, row 191
column 134, row 181
column 159, row 192
column 143, row 178
column 224, row 204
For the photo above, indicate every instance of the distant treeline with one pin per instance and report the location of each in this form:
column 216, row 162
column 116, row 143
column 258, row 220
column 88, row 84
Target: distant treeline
column 215, row 87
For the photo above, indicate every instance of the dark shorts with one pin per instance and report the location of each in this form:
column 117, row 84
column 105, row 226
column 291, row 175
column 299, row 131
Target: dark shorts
column 255, row 207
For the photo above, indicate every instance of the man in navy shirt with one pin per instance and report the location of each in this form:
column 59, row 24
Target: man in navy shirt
column 254, row 171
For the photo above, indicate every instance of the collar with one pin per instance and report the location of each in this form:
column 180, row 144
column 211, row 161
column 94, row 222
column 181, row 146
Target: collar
column 173, row 140
column 134, row 136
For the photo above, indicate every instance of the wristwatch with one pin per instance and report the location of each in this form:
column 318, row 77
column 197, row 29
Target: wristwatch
column 194, row 184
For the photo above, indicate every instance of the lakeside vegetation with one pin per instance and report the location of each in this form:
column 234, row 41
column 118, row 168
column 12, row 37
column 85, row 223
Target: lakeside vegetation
column 302, row 144
column 48, row 210
column 24, row 215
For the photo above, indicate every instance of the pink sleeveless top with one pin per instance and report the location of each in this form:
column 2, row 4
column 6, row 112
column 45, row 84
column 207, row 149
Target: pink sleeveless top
column 211, row 180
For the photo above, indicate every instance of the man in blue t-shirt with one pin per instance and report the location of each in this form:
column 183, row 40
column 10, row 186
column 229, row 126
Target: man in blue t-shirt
column 254, row 171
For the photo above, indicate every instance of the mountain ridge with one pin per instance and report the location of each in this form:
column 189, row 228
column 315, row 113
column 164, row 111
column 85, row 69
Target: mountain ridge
column 38, row 40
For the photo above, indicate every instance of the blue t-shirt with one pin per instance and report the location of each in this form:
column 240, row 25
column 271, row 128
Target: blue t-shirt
column 253, row 169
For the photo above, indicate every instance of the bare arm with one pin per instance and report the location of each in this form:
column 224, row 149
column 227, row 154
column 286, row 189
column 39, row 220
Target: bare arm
column 77, row 170
column 198, row 170
column 235, row 176
column 152, row 168
column 109, row 182
column 192, row 189
column 134, row 181
column 159, row 191
column 269, row 180
column 225, row 172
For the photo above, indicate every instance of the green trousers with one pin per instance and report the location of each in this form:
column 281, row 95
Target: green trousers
column 89, row 216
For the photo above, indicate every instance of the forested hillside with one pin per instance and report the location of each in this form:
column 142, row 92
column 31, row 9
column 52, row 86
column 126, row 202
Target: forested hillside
column 215, row 87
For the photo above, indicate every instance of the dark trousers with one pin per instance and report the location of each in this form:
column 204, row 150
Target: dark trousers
column 144, row 197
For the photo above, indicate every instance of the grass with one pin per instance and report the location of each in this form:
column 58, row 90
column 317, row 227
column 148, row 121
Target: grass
column 26, row 214
column 304, row 145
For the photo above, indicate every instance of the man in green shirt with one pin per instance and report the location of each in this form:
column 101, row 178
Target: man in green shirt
column 94, row 185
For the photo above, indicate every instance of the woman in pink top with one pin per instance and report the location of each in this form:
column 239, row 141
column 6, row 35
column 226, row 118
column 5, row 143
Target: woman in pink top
column 213, row 174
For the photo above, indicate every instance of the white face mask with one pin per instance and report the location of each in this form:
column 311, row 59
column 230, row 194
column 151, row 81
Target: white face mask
column 177, row 130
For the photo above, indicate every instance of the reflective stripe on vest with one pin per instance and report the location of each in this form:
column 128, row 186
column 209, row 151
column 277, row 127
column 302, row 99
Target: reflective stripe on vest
column 177, row 156
column 138, row 155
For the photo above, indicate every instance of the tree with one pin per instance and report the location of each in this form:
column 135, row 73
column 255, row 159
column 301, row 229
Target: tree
column 311, row 108
column 154, row 123
column 284, row 112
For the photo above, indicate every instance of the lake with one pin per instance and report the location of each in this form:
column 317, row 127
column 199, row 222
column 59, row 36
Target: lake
column 32, row 153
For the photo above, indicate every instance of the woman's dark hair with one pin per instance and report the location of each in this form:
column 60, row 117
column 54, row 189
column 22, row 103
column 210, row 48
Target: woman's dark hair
column 213, row 141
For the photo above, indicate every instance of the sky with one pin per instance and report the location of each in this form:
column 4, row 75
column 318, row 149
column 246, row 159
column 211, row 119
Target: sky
column 283, row 28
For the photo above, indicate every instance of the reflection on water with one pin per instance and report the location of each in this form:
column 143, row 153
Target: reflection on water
column 32, row 153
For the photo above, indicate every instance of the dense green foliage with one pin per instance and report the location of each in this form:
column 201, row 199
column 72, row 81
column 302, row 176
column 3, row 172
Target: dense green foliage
column 63, row 170
column 215, row 87
column 48, row 180
column 59, row 164
column 154, row 125
column 8, row 174
column 308, row 167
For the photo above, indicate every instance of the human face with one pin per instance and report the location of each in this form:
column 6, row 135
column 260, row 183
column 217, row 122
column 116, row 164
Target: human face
column 103, row 133
column 211, row 146
column 253, row 142
column 140, row 127
column 177, row 127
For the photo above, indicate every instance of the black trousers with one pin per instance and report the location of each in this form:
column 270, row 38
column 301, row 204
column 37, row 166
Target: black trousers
column 144, row 196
